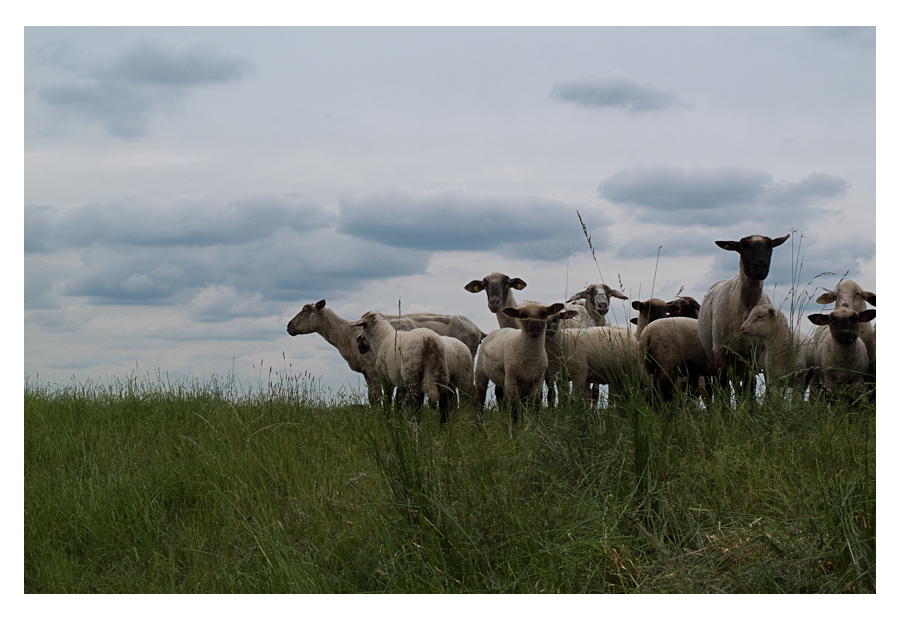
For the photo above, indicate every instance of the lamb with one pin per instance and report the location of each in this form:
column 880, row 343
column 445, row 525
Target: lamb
column 839, row 358
column 726, row 306
column 515, row 358
column 684, row 306
column 648, row 311
column 596, row 298
column 460, row 365
column 453, row 325
column 316, row 318
column 607, row 355
column 672, row 353
column 784, row 351
column 414, row 361
column 849, row 294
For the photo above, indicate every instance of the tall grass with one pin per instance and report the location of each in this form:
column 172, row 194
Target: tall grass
column 153, row 486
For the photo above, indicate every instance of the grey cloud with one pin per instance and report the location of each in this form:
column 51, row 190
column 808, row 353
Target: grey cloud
column 121, row 93
column 719, row 196
column 181, row 222
column 617, row 90
column 467, row 219
column 860, row 37
column 675, row 243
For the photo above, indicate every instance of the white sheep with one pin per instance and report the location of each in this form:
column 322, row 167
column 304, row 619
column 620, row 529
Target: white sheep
column 597, row 298
column 414, row 361
column 673, row 356
column 784, row 350
column 316, row 318
column 515, row 358
column 460, row 365
column 728, row 303
column 839, row 358
column 849, row 294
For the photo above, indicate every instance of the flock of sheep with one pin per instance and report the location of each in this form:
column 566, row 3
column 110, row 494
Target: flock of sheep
column 676, row 347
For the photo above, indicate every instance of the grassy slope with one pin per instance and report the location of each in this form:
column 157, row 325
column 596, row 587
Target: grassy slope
column 197, row 488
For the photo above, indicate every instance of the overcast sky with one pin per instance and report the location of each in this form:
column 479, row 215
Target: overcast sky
column 188, row 190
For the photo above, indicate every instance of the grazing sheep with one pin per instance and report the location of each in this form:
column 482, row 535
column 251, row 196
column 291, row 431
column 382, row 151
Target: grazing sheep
column 648, row 311
column 316, row 318
column 498, row 287
column 726, row 306
column 784, row 351
column 414, row 361
column 839, row 358
column 684, row 306
column 672, row 354
column 849, row 294
column 453, row 325
column 515, row 358
column 460, row 365
column 596, row 298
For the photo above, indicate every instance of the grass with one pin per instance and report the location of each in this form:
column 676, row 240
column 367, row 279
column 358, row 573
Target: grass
column 153, row 486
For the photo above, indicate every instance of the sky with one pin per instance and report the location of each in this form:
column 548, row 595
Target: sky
column 188, row 190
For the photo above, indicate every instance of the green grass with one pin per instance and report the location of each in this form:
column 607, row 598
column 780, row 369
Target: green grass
column 149, row 486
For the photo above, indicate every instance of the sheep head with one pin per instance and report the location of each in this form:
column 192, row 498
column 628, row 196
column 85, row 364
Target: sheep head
column 843, row 323
column 684, row 306
column 847, row 294
column 307, row 320
column 497, row 286
column 756, row 253
column 760, row 322
column 597, row 297
column 534, row 317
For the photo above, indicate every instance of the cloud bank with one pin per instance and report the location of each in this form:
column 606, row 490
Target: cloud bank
column 617, row 90
column 121, row 93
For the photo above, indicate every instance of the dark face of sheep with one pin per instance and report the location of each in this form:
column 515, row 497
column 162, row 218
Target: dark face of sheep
column 534, row 317
column 843, row 323
column 653, row 309
column 756, row 253
column 497, row 286
column 307, row 320
column 362, row 344
column 684, row 306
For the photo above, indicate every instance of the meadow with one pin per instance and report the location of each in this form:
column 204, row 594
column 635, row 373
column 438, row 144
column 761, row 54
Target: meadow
column 147, row 485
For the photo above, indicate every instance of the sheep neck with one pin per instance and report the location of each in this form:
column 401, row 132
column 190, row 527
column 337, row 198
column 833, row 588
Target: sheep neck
column 337, row 332
column 507, row 321
column 751, row 290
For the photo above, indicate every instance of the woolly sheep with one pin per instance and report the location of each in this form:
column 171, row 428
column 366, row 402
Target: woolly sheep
column 784, row 351
column 596, row 298
column 453, row 325
column 515, row 358
column 839, row 358
column 849, row 294
column 726, row 306
column 414, row 361
column 672, row 354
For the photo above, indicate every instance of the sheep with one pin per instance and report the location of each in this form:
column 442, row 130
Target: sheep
column 453, row 325
column 460, row 365
column 849, row 294
column 684, row 306
column 726, row 306
column 784, row 351
column 515, row 358
column 498, row 287
column 316, row 318
column 839, row 358
column 596, row 300
column 672, row 354
column 414, row 361
column 648, row 311
column 607, row 355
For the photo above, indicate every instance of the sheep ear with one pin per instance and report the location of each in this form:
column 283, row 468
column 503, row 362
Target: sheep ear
column 618, row 294
column 581, row 295
column 671, row 307
column 359, row 323
column 517, row 283
column 694, row 303
column 511, row 312
column 869, row 297
column 320, row 304
column 636, row 305
column 555, row 308
column 866, row 315
column 771, row 310
column 634, row 321
column 780, row 240
column 827, row 297
column 819, row 319
column 475, row 286
column 732, row 246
